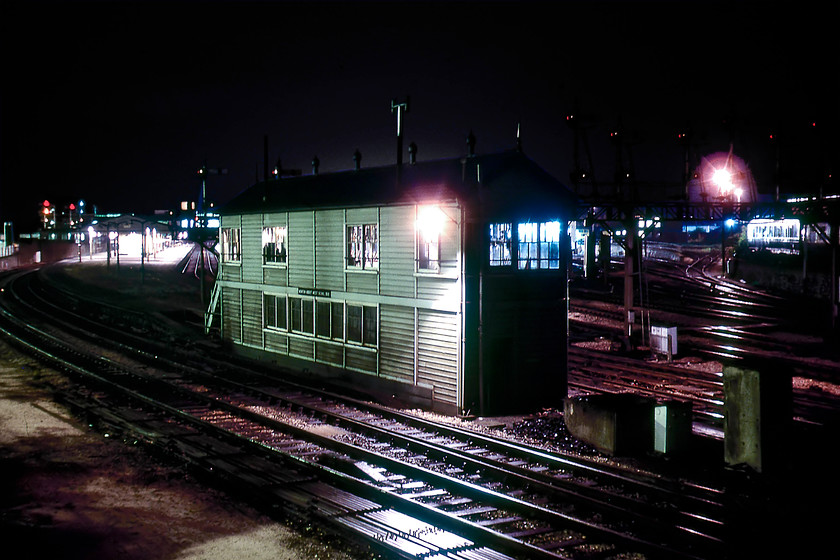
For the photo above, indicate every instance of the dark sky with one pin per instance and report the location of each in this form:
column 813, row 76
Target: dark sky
column 120, row 103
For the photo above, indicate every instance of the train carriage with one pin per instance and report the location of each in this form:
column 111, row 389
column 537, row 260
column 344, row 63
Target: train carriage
column 443, row 282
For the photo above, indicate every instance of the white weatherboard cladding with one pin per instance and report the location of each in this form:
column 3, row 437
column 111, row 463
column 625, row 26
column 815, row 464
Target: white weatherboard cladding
column 329, row 249
column 276, row 342
column 362, row 282
column 362, row 215
column 252, row 331
column 437, row 353
column 252, row 248
column 301, row 249
column 329, row 353
column 302, row 347
column 231, row 221
column 419, row 317
column 396, row 342
column 397, row 248
column 232, row 314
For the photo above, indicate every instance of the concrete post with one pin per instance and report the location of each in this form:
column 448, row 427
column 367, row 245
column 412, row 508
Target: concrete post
column 757, row 415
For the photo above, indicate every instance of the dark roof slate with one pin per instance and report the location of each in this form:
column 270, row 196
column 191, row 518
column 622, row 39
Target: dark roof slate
column 509, row 182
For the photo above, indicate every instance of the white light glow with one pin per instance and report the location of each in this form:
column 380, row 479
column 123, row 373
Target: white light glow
column 430, row 221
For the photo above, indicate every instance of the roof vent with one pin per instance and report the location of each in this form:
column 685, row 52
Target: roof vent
column 357, row 159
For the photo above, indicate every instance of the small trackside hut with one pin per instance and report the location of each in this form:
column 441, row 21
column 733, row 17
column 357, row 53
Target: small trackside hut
column 442, row 282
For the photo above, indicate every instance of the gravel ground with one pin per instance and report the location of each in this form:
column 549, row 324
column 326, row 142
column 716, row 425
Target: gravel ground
column 70, row 493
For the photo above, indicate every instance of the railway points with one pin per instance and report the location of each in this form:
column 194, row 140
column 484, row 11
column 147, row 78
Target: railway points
column 411, row 534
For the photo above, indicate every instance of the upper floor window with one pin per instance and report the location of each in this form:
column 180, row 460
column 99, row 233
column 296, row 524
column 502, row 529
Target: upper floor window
column 231, row 244
column 538, row 245
column 363, row 246
column 430, row 221
column 274, row 244
column 500, row 244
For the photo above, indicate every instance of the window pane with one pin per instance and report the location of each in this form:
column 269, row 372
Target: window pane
column 337, row 320
column 370, row 332
column 274, row 244
column 528, row 253
column 355, row 246
column 500, row 241
column 308, row 319
column 322, row 318
column 295, row 314
column 281, row 312
column 371, row 246
column 269, row 311
column 354, row 323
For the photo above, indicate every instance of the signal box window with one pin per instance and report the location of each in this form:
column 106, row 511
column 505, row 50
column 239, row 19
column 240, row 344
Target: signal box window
column 301, row 315
column 363, row 246
column 538, row 245
column 274, row 311
column 430, row 222
column 274, row 245
column 329, row 319
column 231, row 244
column 362, row 324
column 500, row 244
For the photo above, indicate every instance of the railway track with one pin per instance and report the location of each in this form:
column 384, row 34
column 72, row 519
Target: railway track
column 443, row 484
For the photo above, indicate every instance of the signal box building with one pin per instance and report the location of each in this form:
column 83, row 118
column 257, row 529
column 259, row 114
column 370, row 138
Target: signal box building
column 443, row 282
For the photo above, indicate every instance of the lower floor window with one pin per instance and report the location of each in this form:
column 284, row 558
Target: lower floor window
column 323, row 318
column 274, row 311
column 362, row 324
column 301, row 315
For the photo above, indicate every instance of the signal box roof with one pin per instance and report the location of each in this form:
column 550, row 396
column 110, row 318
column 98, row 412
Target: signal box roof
column 506, row 184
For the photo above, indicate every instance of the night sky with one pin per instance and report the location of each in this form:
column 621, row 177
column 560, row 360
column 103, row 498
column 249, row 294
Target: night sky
column 119, row 103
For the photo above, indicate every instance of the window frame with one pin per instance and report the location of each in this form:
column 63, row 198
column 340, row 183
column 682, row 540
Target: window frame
column 278, row 319
column 230, row 244
column 368, row 328
column 501, row 242
column 280, row 259
column 544, row 253
column 357, row 241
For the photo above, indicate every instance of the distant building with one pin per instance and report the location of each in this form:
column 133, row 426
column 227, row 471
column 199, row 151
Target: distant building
column 442, row 281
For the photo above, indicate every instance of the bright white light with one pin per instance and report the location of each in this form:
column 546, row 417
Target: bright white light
column 723, row 179
column 430, row 220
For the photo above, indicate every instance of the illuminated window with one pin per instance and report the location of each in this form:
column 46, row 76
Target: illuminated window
column 301, row 315
column 430, row 221
column 274, row 244
column 500, row 239
column 274, row 311
column 538, row 245
column 363, row 246
column 231, row 245
column 362, row 324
